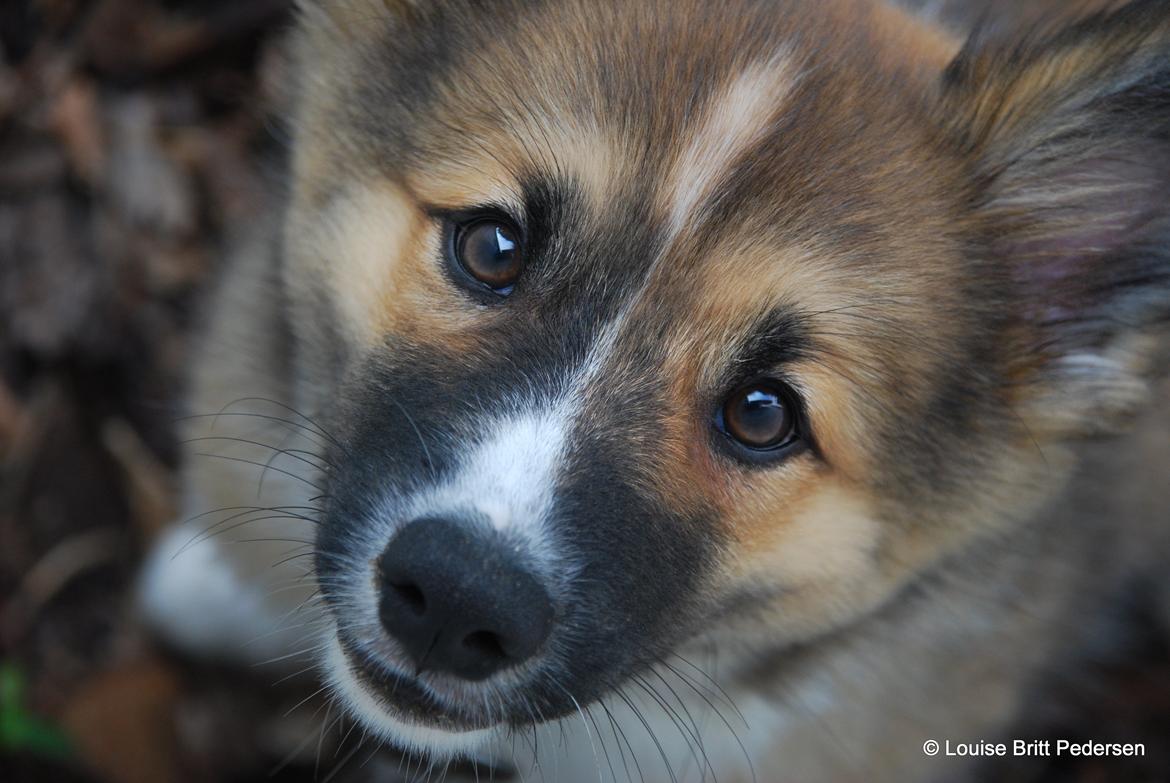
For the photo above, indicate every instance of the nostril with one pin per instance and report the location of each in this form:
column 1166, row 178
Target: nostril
column 412, row 596
column 457, row 598
column 485, row 644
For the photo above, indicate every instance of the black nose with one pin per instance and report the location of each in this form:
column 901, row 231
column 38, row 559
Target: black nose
column 459, row 601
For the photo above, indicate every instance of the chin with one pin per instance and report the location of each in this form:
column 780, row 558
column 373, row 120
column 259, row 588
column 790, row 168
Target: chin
column 425, row 732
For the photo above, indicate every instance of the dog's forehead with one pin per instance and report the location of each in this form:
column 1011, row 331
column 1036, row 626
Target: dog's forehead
column 764, row 129
column 672, row 98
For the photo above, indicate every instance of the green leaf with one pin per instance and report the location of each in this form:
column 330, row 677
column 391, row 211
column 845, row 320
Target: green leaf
column 19, row 729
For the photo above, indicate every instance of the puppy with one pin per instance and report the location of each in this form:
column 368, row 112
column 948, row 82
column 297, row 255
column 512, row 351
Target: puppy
column 640, row 389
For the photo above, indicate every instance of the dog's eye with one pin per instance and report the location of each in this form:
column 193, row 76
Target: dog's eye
column 489, row 250
column 759, row 416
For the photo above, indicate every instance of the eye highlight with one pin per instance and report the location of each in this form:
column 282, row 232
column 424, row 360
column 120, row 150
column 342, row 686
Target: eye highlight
column 760, row 416
column 488, row 249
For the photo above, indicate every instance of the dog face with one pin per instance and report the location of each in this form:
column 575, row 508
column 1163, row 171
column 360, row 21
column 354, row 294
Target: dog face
column 640, row 325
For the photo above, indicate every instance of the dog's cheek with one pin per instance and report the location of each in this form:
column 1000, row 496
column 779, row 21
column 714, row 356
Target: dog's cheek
column 376, row 257
column 806, row 554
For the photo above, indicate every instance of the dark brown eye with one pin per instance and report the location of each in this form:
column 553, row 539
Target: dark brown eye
column 759, row 416
column 490, row 252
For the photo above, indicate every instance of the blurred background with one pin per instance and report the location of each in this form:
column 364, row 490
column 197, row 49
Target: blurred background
column 136, row 138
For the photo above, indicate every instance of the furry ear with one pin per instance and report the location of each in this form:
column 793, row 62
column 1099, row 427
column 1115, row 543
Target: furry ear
column 349, row 21
column 1069, row 138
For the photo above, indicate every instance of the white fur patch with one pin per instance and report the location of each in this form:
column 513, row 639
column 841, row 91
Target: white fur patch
column 194, row 598
column 732, row 124
column 510, row 477
column 425, row 740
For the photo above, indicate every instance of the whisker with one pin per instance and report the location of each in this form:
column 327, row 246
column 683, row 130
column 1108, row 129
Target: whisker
column 596, row 761
column 279, row 630
column 326, row 725
column 353, row 724
column 675, row 721
column 305, row 701
column 222, row 509
column 601, row 739
column 302, row 455
column 315, row 461
column 418, row 434
column 211, row 531
column 218, row 530
column 653, row 736
column 230, row 458
column 294, row 675
column 297, row 749
column 727, row 698
column 615, row 727
column 695, row 731
column 305, row 651
column 291, row 558
column 718, row 712
column 262, row 416
column 346, row 759
column 290, row 517
column 315, row 427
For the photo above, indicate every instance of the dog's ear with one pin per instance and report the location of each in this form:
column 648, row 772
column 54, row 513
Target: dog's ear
column 1068, row 138
column 341, row 21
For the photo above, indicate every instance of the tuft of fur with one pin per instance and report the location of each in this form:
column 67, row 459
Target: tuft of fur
column 1068, row 134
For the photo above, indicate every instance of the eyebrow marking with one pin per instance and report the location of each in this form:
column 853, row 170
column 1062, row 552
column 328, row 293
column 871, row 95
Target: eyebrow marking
column 775, row 337
column 732, row 123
